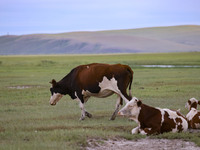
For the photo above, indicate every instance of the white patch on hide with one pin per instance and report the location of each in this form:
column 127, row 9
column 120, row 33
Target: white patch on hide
column 191, row 114
column 142, row 132
column 101, row 94
column 108, row 87
column 192, row 101
column 106, row 84
column 173, row 115
column 149, row 129
column 162, row 115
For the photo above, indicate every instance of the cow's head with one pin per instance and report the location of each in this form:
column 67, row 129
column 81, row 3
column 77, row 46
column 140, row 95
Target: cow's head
column 192, row 103
column 131, row 109
column 56, row 92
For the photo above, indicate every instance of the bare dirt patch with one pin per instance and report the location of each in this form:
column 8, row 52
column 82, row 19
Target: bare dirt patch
column 141, row 144
column 50, row 128
column 2, row 129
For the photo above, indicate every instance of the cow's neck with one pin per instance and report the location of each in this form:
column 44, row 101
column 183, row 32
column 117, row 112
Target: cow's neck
column 146, row 112
column 194, row 105
column 66, row 84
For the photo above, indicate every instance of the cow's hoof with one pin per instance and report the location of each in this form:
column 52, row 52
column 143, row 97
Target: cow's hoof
column 88, row 114
column 112, row 118
column 82, row 118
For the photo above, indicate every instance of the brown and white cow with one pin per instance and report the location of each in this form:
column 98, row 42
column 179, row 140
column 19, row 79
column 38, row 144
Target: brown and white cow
column 193, row 116
column 98, row 80
column 153, row 120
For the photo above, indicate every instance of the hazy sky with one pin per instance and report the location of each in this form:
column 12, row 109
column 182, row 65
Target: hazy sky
column 55, row 16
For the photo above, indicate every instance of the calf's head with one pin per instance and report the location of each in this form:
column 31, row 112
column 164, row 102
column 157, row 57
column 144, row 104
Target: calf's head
column 131, row 109
column 56, row 92
column 192, row 103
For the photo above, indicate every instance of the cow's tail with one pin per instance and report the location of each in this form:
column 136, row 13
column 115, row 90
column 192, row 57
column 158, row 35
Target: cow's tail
column 131, row 79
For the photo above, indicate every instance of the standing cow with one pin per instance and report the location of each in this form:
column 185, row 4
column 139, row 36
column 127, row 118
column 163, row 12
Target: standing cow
column 153, row 120
column 98, row 80
column 193, row 115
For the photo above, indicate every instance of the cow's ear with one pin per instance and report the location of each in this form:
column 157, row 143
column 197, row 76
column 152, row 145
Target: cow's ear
column 139, row 103
column 53, row 82
column 199, row 102
column 189, row 102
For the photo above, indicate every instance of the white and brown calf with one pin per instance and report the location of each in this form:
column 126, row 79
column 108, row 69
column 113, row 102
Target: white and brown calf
column 193, row 116
column 153, row 120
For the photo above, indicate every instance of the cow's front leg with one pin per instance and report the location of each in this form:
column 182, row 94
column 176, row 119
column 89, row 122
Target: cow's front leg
column 135, row 130
column 81, row 104
column 149, row 131
column 83, row 112
column 88, row 114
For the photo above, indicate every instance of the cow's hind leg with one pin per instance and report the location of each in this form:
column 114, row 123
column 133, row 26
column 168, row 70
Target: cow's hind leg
column 118, row 104
column 87, row 113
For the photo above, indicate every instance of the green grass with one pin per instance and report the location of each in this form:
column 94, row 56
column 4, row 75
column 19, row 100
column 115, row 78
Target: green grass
column 27, row 121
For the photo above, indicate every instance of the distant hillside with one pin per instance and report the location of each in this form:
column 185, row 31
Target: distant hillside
column 144, row 40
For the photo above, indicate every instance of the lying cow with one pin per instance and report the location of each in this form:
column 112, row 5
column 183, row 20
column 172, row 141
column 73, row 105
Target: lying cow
column 193, row 116
column 98, row 80
column 153, row 120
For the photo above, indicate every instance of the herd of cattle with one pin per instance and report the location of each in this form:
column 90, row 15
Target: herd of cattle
column 103, row 80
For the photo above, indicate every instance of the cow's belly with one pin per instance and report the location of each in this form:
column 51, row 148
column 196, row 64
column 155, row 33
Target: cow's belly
column 101, row 94
column 107, row 88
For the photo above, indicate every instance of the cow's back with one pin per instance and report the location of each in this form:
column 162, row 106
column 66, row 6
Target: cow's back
column 173, row 121
column 90, row 75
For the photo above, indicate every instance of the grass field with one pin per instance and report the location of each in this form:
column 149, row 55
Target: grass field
column 27, row 121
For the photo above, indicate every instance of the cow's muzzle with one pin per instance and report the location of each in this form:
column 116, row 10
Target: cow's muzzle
column 120, row 113
column 55, row 98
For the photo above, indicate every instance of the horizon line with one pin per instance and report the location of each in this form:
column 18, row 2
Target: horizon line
column 103, row 30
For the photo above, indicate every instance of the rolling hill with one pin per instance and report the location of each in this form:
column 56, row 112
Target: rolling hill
column 144, row 40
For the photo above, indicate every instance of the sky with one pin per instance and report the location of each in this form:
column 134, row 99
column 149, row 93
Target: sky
column 18, row 17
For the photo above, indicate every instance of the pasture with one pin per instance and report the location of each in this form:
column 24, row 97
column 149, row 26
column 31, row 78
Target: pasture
column 27, row 121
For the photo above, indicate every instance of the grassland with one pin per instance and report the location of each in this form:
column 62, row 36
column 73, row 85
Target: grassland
column 27, row 121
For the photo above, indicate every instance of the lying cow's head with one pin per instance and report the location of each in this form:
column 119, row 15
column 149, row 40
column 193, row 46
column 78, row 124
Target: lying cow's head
column 131, row 109
column 192, row 103
column 56, row 92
